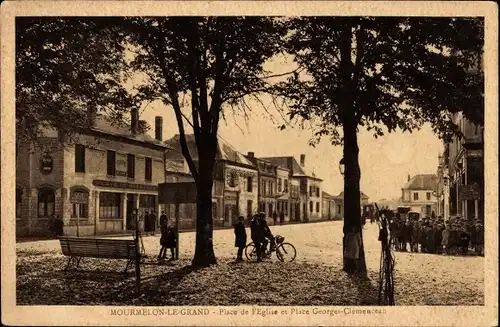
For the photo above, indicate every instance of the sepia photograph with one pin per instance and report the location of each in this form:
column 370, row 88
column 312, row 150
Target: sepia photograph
column 243, row 168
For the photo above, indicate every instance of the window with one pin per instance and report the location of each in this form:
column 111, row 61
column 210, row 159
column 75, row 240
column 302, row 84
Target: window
column 130, row 166
column 415, row 196
column 286, row 208
column 310, row 206
column 317, row 192
column 110, row 205
column 279, row 184
column 19, row 201
column 263, row 188
column 249, row 208
column 249, row 184
column 111, row 163
column 83, row 208
column 310, row 190
column 428, row 195
column 317, row 206
column 79, row 158
column 285, row 186
column 148, row 169
column 214, row 210
column 46, row 202
column 339, row 209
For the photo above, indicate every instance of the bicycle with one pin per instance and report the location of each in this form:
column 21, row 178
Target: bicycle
column 285, row 252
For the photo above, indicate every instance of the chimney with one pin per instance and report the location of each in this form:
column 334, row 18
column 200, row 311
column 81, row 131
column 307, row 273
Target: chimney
column 251, row 154
column 142, row 127
column 302, row 160
column 408, row 177
column 92, row 115
column 134, row 120
column 159, row 128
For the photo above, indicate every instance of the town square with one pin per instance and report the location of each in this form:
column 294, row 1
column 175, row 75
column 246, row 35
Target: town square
column 266, row 166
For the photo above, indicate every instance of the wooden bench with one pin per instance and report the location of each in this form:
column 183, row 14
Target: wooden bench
column 76, row 248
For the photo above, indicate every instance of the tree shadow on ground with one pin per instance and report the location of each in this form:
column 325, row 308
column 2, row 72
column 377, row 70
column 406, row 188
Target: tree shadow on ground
column 366, row 288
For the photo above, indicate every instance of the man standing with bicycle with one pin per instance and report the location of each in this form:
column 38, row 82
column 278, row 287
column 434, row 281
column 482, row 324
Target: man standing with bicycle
column 257, row 235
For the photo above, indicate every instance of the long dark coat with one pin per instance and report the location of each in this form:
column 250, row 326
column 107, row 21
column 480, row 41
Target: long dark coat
column 240, row 234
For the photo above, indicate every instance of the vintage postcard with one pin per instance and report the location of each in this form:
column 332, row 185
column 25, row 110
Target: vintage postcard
column 249, row 163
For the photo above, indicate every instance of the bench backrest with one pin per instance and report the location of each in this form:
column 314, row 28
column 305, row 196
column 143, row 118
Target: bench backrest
column 98, row 248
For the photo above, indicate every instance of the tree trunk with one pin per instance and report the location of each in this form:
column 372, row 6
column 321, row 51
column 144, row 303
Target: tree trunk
column 204, row 250
column 353, row 250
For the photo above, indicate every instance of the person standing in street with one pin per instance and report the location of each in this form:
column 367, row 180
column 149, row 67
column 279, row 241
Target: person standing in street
column 152, row 219
column 240, row 235
column 163, row 219
column 145, row 218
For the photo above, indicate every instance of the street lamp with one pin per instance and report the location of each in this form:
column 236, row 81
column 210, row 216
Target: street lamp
column 342, row 166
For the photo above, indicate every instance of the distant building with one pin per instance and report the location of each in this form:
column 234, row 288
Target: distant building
column 333, row 207
column 308, row 206
column 109, row 170
column 419, row 194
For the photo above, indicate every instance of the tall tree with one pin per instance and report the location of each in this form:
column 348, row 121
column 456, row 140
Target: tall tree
column 216, row 61
column 63, row 67
column 381, row 73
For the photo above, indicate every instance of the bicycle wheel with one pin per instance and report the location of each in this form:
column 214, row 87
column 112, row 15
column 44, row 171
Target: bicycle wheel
column 251, row 251
column 286, row 252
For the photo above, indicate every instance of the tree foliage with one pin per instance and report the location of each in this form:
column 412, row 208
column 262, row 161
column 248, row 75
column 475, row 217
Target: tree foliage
column 63, row 67
column 405, row 72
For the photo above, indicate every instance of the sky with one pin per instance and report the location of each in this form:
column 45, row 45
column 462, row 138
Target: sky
column 385, row 162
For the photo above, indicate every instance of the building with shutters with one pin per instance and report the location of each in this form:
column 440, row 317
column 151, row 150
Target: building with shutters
column 306, row 206
column 92, row 181
column 419, row 193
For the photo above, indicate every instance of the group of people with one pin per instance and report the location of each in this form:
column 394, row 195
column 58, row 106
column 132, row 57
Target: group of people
column 259, row 232
column 434, row 235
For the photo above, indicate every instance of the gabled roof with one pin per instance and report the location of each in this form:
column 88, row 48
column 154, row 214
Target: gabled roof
column 421, row 182
column 291, row 163
column 104, row 125
column 225, row 151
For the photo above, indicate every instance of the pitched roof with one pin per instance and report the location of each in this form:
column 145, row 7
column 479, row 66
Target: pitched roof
column 225, row 151
column 363, row 195
column 102, row 124
column 291, row 163
column 421, row 182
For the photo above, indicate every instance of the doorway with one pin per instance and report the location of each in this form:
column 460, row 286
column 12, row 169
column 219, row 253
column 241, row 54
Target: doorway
column 130, row 206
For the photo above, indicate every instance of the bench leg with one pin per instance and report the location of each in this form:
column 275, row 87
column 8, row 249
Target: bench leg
column 78, row 262
column 128, row 265
column 69, row 262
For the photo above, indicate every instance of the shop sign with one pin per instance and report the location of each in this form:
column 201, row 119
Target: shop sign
column 113, row 184
column 171, row 193
column 468, row 192
column 46, row 164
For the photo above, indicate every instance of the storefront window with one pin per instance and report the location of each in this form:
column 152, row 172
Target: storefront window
column 110, row 205
column 147, row 203
column 46, row 203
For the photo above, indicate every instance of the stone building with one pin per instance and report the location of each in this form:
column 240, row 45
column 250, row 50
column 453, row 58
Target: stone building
column 464, row 160
column 419, row 194
column 98, row 176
